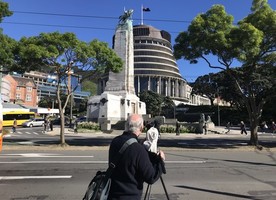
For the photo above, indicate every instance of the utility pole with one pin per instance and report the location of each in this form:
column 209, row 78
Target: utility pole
column 69, row 73
column 218, row 101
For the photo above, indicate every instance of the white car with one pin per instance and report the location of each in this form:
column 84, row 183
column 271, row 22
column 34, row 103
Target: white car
column 34, row 122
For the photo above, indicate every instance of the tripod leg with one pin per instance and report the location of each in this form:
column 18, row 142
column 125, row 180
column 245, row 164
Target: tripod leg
column 165, row 189
column 147, row 194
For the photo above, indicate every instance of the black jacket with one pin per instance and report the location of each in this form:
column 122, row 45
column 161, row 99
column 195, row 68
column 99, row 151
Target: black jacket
column 134, row 168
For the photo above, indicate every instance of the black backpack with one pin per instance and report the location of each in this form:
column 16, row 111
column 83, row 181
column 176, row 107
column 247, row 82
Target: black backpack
column 99, row 186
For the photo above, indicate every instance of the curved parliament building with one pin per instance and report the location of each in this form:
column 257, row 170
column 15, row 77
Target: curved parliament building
column 155, row 67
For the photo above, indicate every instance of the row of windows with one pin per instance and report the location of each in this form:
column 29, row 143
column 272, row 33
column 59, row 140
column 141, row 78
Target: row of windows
column 158, row 68
column 28, row 97
column 154, row 53
column 154, row 60
column 152, row 42
column 159, row 48
column 29, row 89
column 160, row 73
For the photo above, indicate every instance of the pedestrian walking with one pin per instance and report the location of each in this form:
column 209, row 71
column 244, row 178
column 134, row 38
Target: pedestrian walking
column 228, row 127
column 205, row 128
column 273, row 127
column 14, row 126
column 243, row 128
column 177, row 127
column 76, row 127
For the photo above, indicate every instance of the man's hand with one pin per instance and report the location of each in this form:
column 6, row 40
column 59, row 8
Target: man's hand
column 161, row 154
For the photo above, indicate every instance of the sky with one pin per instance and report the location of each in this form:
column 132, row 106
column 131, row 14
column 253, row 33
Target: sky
column 97, row 19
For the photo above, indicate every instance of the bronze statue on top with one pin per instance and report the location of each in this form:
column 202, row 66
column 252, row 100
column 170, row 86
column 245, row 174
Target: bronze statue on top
column 126, row 16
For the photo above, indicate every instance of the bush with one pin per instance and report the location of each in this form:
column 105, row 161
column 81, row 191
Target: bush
column 172, row 129
column 89, row 126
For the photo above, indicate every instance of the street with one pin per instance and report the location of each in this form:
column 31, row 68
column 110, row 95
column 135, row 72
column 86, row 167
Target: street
column 213, row 166
column 191, row 174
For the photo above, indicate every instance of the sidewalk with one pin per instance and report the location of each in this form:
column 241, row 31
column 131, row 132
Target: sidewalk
column 213, row 133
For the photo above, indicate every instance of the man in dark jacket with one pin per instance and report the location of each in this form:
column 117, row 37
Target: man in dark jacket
column 135, row 166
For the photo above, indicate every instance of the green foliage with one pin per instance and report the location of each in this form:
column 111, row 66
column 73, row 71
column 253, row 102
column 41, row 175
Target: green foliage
column 157, row 104
column 7, row 46
column 4, row 10
column 153, row 102
column 60, row 53
column 172, row 129
column 252, row 42
column 89, row 126
column 206, row 85
column 89, row 86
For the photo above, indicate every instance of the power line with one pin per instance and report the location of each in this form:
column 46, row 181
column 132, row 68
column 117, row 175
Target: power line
column 99, row 17
column 60, row 26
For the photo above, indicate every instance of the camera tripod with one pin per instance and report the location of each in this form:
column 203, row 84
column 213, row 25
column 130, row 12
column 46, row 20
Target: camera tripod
column 148, row 191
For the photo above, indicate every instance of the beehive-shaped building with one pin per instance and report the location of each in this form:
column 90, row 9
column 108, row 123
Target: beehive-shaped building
column 155, row 67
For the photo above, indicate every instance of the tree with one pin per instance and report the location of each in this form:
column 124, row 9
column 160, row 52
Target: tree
column 168, row 107
column 59, row 53
column 4, row 10
column 89, row 86
column 153, row 102
column 206, row 85
column 252, row 42
column 6, row 44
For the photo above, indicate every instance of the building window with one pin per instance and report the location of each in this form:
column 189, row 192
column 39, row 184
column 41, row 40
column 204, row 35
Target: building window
column 28, row 97
column 29, row 89
column 17, row 88
column 18, row 96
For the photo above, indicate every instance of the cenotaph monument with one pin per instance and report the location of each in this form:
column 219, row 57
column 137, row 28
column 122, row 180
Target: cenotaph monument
column 118, row 99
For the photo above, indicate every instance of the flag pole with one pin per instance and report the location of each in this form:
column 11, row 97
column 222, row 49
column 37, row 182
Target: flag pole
column 142, row 15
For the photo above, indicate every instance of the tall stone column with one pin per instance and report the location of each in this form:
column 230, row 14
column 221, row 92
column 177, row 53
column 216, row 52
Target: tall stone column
column 149, row 83
column 123, row 82
column 169, row 87
column 173, row 89
column 138, row 84
column 166, row 87
column 176, row 88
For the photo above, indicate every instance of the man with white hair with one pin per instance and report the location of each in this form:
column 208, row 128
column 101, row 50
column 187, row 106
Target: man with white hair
column 135, row 166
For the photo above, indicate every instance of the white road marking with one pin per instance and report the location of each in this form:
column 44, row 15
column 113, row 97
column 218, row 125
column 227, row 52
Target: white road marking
column 42, row 155
column 54, row 162
column 32, row 177
column 28, row 133
column 186, row 162
column 91, row 162
column 26, row 142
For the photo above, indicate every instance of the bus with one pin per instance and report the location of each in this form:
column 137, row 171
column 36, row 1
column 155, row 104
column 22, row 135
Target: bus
column 20, row 116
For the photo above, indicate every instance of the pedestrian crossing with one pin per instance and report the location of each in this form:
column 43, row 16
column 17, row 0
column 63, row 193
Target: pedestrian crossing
column 26, row 133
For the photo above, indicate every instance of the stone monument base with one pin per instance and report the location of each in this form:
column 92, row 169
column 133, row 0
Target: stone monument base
column 110, row 109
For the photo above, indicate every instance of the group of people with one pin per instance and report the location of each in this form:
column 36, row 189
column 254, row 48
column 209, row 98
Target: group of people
column 141, row 162
column 48, row 125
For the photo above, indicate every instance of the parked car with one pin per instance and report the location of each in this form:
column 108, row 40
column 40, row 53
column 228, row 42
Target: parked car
column 57, row 121
column 82, row 119
column 34, row 122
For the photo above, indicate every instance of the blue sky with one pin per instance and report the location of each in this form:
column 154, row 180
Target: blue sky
column 97, row 19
